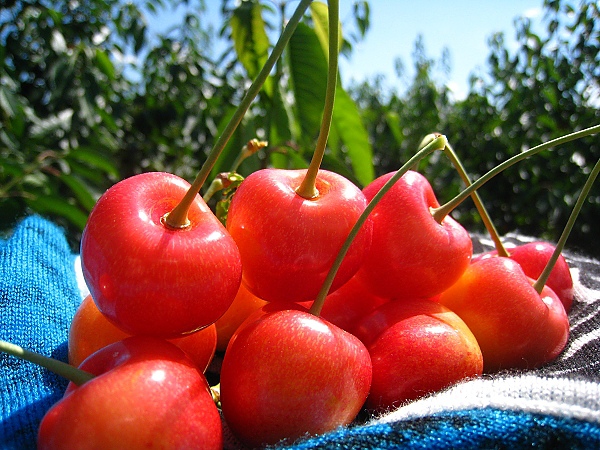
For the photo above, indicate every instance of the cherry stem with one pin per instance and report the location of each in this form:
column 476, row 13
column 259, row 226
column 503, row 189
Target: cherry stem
column 308, row 189
column 483, row 213
column 65, row 370
column 543, row 278
column 178, row 217
column 224, row 179
column 215, row 186
column 441, row 212
column 436, row 144
column 251, row 147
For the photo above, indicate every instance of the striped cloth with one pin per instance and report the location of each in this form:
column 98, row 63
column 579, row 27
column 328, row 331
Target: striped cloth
column 556, row 406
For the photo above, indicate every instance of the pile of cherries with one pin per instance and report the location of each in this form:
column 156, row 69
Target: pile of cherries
column 409, row 311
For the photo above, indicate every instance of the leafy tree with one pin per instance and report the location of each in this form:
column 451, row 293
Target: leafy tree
column 63, row 104
column 547, row 88
column 89, row 97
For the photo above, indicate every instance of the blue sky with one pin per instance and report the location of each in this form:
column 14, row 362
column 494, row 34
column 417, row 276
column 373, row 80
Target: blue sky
column 461, row 26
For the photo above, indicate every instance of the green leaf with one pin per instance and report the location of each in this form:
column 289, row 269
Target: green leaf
column 79, row 189
column 349, row 128
column 362, row 14
column 392, row 119
column 105, row 65
column 308, row 67
column 8, row 102
column 283, row 126
column 309, row 76
column 95, row 160
column 60, row 207
column 13, row 107
column 320, row 14
column 250, row 39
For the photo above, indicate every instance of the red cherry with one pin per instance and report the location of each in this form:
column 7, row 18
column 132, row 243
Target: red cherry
column 287, row 372
column 149, row 278
column 417, row 347
column 411, row 254
column 90, row 331
column 244, row 304
column 288, row 243
column 515, row 326
column 533, row 258
column 350, row 303
column 146, row 393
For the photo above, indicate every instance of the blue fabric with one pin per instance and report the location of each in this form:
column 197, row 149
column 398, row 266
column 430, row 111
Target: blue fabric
column 486, row 428
column 38, row 297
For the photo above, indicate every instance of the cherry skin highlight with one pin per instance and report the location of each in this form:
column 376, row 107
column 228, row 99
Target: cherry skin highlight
column 146, row 393
column 412, row 255
column 288, row 243
column 148, row 278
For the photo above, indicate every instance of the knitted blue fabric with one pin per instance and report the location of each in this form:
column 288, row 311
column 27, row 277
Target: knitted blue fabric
column 38, row 297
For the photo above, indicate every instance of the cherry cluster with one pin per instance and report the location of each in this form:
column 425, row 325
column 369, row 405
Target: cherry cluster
column 326, row 301
column 409, row 311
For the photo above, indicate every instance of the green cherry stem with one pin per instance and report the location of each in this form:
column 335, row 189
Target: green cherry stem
column 308, row 189
column 436, row 144
column 65, row 370
column 178, row 217
column 441, row 212
column 483, row 213
column 251, row 147
column 543, row 278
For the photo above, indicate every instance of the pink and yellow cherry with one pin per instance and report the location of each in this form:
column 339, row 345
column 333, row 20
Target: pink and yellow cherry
column 244, row 304
column 417, row 347
column 287, row 373
column 287, row 242
column 149, row 278
column 412, row 255
column 516, row 327
column 146, row 393
column 533, row 257
column 90, row 331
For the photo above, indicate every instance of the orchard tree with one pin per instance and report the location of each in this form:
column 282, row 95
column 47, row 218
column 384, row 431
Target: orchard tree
column 89, row 96
column 548, row 87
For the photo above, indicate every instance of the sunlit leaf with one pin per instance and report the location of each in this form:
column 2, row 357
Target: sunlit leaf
column 320, row 14
column 250, row 39
column 80, row 190
column 309, row 78
column 351, row 131
column 105, row 65
column 95, row 160
column 392, row 120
